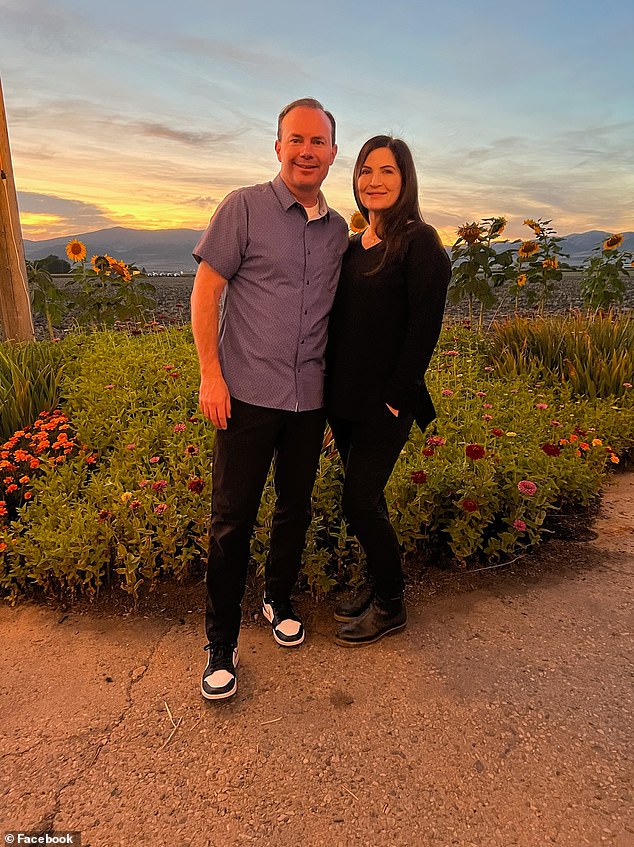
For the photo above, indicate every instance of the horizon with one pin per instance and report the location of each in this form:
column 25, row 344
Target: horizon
column 508, row 114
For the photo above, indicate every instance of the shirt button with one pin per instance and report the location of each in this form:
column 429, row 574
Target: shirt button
column 302, row 341
column 305, row 311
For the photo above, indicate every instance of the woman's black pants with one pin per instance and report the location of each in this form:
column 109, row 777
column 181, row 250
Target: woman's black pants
column 369, row 450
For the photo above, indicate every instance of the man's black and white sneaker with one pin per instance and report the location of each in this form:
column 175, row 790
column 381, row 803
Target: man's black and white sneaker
column 219, row 677
column 288, row 630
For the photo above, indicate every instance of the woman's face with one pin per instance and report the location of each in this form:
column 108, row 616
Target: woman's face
column 379, row 182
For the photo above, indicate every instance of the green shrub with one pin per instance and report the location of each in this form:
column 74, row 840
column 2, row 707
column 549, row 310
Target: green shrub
column 29, row 383
column 505, row 452
column 593, row 355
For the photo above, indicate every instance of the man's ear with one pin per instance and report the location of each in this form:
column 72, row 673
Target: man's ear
column 278, row 147
column 335, row 149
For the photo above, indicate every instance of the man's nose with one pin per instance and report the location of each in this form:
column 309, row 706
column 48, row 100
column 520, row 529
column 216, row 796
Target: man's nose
column 307, row 149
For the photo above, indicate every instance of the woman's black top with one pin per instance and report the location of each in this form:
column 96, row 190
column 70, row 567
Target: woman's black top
column 384, row 327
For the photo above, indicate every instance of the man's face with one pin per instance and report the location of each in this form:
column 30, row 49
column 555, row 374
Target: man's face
column 305, row 151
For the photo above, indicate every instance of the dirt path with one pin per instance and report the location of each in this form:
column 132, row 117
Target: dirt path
column 501, row 717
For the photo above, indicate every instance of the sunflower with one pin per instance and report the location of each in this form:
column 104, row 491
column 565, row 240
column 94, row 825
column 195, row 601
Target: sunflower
column 550, row 263
column 120, row 269
column 521, row 280
column 528, row 248
column 537, row 229
column 613, row 241
column 75, row 250
column 470, row 232
column 497, row 227
column 99, row 263
column 357, row 222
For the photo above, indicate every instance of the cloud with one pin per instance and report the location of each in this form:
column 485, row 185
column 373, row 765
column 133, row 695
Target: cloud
column 42, row 24
column 47, row 215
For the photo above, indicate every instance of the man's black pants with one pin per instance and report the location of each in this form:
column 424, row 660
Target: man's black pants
column 369, row 450
column 243, row 452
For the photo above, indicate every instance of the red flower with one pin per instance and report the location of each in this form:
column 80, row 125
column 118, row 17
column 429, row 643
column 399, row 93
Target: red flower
column 475, row 451
column 196, row 484
column 469, row 505
column 104, row 515
column 419, row 477
column 134, row 505
column 497, row 432
column 527, row 487
column 428, row 451
column 159, row 485
column 436, row 441
column 161, row 508
column 519, row 525
column 551, row 449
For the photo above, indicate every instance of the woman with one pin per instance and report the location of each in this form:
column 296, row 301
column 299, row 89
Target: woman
column 384, row 326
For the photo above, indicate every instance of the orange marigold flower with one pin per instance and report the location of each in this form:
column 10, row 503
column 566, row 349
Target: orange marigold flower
column 357, row 222
column 90, row 460
column 574, row 437
column 613, row 241
column 550, row 263
column 75, row 250
column 614, row 459
column 3, row 546
column 596, row 442
column 34, row 463
column 528, row 248
column 11, row 488
column 470, row 232
column 577, row 453
column 24, row 479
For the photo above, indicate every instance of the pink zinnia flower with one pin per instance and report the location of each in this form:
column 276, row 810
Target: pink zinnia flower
column 555, row 423
column 450, row 353
column 541, row 405
column 143, row 483
column 487, row 405
column 159, row 485
column 161, row 508
column 155, row 459
column 487, row 417
column 179, row 427
column 130, row 446
column 447, row 392
column 481, row 394
column 134, row 505
column 627, row 385
column 519, row 525
column 436, row 441
column 527, row 487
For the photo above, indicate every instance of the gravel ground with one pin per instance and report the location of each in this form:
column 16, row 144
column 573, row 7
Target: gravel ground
column 500, row 717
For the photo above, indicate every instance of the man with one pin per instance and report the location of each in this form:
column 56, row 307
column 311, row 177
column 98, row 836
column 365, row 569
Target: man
column 274, row 252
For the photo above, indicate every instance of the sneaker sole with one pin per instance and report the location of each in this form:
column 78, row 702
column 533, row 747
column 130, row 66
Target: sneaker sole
column 269, row 616
column 343, row 643
column 222, row 696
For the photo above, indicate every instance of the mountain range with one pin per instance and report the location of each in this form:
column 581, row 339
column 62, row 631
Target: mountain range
column 170, row 250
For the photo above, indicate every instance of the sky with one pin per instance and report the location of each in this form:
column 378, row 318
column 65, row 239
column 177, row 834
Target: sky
column 145, row 114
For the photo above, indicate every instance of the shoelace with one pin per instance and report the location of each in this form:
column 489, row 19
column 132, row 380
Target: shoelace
column 221, row 655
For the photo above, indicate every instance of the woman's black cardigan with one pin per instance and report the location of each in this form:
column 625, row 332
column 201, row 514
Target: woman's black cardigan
column 384, row 328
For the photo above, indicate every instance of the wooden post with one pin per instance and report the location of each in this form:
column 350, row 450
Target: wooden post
column 15, row 305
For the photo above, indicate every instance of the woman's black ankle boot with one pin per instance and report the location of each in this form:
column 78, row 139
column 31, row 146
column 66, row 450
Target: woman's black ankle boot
column 380, row 618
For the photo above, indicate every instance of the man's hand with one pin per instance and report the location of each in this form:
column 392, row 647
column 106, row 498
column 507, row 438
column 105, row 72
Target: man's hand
column 214, row 401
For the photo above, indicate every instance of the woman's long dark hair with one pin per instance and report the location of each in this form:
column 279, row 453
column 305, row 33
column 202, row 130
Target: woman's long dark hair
column 392, row 222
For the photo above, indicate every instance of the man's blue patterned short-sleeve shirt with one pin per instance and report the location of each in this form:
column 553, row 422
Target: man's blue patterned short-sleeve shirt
column 282, row 272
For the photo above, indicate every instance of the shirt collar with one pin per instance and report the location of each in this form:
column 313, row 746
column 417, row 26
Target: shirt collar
column 287, row 200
